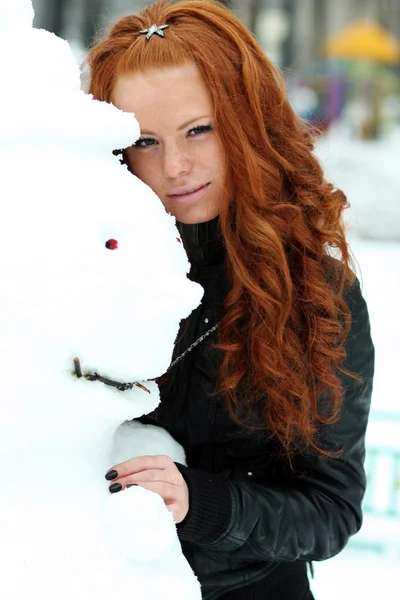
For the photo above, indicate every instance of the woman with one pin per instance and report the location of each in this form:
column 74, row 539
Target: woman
column 270, row 386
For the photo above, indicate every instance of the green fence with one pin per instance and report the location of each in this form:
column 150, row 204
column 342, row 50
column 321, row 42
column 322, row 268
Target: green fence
column 382, row 466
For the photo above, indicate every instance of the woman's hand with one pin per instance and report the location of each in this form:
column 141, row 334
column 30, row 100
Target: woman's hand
column 158, row 474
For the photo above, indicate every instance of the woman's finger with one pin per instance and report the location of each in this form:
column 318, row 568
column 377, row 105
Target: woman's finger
column 138, row 464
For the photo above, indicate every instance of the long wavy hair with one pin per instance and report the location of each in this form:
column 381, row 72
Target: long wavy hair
column 285, row 320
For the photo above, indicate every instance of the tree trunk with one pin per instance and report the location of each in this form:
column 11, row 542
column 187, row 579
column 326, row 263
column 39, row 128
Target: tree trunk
column 255, row 7
column 92, row 14
column 288, row 45
column 52, row 17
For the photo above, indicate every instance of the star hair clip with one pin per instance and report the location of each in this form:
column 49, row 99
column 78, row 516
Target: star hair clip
column 154, row 29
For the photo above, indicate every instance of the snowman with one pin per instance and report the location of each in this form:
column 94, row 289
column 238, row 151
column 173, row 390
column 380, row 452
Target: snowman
column 93, row 287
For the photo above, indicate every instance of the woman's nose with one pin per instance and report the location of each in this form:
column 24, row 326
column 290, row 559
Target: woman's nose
column 176, row 162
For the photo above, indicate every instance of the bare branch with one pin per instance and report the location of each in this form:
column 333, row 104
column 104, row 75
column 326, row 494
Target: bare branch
column 122, row 387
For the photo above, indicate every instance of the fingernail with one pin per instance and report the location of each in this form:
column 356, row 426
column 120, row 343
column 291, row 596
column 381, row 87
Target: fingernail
column 111, row 475
column 115, row 487
column 131, row 485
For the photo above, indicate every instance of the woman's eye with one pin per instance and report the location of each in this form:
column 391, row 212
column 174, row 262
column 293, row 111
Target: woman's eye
column 144, row 142
column 199, row 129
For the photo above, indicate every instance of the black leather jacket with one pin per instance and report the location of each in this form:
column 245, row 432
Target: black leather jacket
column 249, row 512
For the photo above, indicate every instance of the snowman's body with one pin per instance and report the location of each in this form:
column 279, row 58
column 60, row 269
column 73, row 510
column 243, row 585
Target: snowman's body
column 62, row 534
column 66, row 295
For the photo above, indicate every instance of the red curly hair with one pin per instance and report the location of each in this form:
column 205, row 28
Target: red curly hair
column 285, row 320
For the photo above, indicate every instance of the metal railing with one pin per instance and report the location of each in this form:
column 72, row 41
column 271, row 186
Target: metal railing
column 382, row 464
column 382, row 498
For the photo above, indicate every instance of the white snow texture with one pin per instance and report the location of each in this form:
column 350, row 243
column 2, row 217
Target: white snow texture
column 63, row 195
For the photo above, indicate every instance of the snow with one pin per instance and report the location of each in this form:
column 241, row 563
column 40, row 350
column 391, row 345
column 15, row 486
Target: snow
column 65, row 295
column 63, row 195
column 41, row 70
column 369, row 565
column 367, row 172
column 18, row 14
column 356, row 575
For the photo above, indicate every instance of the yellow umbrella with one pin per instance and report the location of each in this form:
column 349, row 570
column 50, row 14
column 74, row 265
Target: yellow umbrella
column 364, row 40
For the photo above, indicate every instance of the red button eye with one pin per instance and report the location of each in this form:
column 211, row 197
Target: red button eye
column 111, row 244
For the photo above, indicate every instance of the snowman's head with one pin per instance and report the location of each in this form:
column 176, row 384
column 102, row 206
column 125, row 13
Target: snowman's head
column 90, row 264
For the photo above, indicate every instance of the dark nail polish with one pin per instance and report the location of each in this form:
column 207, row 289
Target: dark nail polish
column 111, row 475
column 115, row 487
column 130, row 485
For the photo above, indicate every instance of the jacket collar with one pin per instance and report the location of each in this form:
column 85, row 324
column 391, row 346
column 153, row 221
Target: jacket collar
column 203, row 242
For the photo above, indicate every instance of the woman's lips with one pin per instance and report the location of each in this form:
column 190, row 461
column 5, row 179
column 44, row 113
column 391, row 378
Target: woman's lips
column 189, row 198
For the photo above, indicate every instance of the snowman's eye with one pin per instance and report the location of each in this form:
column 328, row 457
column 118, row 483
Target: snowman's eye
column 112, row 244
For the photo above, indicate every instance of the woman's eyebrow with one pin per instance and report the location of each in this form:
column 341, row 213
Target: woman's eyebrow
column 183, row 126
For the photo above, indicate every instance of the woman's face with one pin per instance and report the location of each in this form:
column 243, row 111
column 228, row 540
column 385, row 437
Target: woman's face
column 178, row 153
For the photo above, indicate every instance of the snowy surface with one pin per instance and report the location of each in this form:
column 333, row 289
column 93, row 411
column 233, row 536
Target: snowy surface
column 368, row 174
column 63, row 195
column 356, row 575
column 369, row 566
column 68, row 292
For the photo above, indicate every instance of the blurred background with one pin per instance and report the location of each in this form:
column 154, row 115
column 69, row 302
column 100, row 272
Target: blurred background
column 341, row 61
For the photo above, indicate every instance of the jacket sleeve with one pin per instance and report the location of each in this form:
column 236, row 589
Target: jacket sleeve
column 313, row 514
